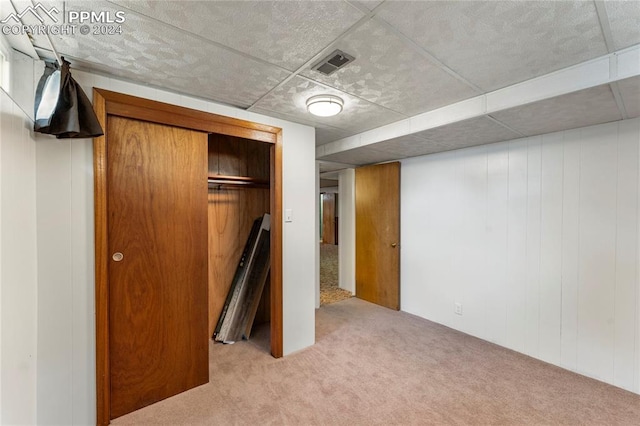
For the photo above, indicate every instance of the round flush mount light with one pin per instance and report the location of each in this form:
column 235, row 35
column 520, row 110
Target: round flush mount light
column 325, row 105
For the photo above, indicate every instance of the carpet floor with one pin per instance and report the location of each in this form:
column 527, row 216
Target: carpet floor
column 329, row 290
column 371, row 365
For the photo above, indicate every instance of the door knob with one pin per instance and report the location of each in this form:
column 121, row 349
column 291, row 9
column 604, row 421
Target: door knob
column 394, row 245
column 117, row 256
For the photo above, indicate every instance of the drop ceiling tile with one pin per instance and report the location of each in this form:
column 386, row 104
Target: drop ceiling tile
column 498, row 43
column 357, row 116
column 156, row 54
column 325, row 135
column 367, row 4
column 388, row 72
column 463, row 134
column 307, row 121
column 624, row 20
column 630, row 91
column 583, row 108
column 360, row 156
column 286, row 33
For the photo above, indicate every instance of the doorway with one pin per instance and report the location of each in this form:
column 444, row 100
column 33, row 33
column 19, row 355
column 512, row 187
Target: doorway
column 330, row 290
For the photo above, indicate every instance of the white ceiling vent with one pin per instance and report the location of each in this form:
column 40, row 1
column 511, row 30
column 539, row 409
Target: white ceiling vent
column 332, row 63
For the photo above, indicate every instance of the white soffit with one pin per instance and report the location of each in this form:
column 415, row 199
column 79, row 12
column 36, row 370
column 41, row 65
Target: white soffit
column 388, row 72
column 409, row 145
column 462, row 134
column 597, row 72
column 332, row 166
column 282, row 32
column 630, row 91
column 579, row 109
column 494, row 44
column 413, row 146
column 362, row 156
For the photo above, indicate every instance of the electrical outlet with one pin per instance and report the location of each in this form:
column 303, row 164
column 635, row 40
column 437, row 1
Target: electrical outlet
column 457, row 308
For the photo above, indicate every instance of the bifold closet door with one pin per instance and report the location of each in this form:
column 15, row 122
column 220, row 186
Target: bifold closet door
column 157, row 227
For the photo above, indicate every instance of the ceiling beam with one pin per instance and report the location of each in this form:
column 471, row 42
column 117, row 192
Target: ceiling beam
column 334, row 165
column 606, row 69
column 500, row 123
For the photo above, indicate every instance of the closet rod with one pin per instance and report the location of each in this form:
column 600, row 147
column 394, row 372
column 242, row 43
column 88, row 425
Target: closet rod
column 218, row 182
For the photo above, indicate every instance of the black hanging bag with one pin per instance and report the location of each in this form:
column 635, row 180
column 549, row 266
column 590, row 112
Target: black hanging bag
column 71, row 115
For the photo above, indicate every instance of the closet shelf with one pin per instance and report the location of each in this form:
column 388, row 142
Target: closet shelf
column 217, row 181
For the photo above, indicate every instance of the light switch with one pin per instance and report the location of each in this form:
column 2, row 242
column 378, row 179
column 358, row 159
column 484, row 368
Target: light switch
column 288, row 215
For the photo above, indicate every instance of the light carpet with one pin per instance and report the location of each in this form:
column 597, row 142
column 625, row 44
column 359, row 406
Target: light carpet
column 329, row 290
column 371, row 365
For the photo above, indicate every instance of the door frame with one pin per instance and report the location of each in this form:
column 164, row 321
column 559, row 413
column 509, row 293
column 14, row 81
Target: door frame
column 107, row 103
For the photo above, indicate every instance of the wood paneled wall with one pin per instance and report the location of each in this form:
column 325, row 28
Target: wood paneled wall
column 232, row 156
column 232, row 211
column 538, row 239
column 27, row 322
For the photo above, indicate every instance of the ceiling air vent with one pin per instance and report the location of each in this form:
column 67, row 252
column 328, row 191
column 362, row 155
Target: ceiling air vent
column 332, row 63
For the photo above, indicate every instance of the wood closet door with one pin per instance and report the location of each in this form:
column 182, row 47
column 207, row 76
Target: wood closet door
column 157, row 221
column 378, row 234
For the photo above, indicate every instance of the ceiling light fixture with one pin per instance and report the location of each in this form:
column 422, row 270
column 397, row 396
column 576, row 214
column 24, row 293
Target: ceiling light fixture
column 325, row 105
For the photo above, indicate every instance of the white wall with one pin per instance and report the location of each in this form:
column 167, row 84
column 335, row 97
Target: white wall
column 66, row 326
column 66, row 308
column 18, row 265
column 538, row 239
column 300, row 244
column 347, row 230
column 317, row 227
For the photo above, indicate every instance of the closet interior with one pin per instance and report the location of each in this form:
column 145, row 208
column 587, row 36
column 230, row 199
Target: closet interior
column 239, row 175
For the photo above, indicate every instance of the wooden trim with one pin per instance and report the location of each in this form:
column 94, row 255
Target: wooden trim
column 276, row 247
column 173, row 115
column 101, row 263
column 111, row 103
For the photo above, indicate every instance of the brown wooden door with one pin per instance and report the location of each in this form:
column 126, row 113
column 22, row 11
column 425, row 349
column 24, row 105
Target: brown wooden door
column 329, row 218
column 157, row 220
column 378, row 234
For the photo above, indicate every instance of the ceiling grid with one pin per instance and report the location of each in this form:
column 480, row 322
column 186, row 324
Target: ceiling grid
column 415, row 62
column 321, row 53
column 603, row 18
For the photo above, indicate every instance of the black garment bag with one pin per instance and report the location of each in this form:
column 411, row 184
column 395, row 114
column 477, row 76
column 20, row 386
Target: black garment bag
column 71, row 114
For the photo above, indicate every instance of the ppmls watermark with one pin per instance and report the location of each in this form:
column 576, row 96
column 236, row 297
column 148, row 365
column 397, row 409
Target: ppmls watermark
column 63, row 22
